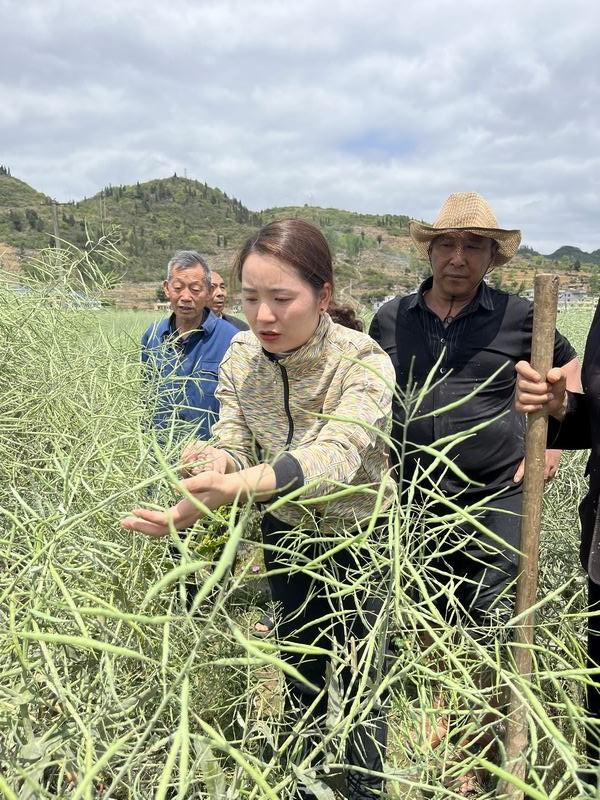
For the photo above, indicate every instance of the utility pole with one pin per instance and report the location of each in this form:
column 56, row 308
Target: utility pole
column 55, row 221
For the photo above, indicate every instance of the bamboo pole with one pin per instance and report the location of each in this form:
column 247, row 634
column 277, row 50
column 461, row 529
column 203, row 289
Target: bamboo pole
column 542, row 350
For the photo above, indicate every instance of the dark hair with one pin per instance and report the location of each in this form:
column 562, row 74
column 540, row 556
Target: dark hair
column 346, row 316
column 296, row 242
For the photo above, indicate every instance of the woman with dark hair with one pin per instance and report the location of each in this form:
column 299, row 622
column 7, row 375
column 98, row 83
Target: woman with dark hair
column 343, row 315
column 305, row 406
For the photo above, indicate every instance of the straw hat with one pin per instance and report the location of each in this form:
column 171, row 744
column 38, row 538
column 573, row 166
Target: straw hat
column 466, row 211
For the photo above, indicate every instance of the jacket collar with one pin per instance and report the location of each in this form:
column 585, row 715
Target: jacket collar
column 483, row 298
column 311, row 351
column 207, row 324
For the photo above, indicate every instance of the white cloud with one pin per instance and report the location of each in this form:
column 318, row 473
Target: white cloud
column 375, row 107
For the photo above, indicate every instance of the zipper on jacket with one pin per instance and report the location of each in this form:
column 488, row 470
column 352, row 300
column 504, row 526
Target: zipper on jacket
column 286, row 405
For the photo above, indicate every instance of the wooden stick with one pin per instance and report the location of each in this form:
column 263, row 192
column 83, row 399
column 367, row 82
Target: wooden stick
column 542, row 352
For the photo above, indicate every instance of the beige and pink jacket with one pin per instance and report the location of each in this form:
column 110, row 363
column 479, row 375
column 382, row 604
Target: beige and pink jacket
column 320, row 415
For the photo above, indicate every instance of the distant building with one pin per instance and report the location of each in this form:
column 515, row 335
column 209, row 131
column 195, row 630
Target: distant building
column 63, row 298
column 82, row 302
column 376, row 304
column 566, row 297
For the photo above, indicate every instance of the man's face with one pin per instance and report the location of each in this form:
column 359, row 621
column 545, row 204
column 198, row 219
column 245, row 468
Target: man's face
column 219, row 293
column 187, row 292
column 459, row 261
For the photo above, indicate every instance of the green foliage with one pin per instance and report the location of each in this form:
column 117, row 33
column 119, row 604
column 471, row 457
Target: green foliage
column 157, row 217
column 111, row 687
column 96, row 677
column 26, row 216
column 595, row 281
column 576, row 254
column 160, row 294
column 337, row 218
column 527, row 252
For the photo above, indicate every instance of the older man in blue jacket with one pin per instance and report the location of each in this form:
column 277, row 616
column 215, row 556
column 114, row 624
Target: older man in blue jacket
column 182, row 353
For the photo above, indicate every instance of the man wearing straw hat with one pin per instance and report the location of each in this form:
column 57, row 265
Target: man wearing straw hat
column 456, row 335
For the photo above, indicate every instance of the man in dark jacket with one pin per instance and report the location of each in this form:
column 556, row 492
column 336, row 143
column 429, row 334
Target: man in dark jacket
column 456, row 334
column 217, row 302
column 182, row 353
column 454, row 343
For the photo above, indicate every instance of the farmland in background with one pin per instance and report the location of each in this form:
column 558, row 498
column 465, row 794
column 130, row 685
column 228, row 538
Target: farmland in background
column 373, row 254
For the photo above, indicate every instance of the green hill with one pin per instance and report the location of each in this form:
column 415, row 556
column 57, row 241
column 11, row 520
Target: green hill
column 164, row 215
column 339, row 220
column 152, row 219
column 160, row 216
column 575, row 254
column 155, row 218
column 373, row 253
column 26, row 216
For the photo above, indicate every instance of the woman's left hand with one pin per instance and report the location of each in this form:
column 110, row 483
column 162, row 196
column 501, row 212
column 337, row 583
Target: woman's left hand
column 200, row 457
column 211, row 488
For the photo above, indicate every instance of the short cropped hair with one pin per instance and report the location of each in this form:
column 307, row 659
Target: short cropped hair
column 188, row 259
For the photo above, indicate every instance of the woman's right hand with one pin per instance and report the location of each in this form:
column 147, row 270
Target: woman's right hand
column 210, row 488
column 200, row 457
column 533, row 393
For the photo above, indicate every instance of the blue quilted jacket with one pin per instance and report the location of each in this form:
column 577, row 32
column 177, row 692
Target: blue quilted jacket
column 183, row 373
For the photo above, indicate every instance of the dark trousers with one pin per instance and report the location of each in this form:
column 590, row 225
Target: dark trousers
column 311, row 612
column 471, row 575
column 593, row 662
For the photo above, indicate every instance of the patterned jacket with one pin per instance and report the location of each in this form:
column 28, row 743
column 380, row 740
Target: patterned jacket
column 320, row 416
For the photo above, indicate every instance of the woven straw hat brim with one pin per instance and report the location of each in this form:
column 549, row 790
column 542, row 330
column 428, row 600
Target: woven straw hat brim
column 508, row 240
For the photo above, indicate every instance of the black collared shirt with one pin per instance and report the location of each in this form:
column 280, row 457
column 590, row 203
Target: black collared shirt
column 580, row 430
column 487, row 337
column 236, row 322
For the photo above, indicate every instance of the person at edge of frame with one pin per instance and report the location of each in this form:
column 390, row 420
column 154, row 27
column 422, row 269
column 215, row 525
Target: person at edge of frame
column 304, row 403
column 182, row 353
column 574, row 424
column 471, row 331
column 217, row 302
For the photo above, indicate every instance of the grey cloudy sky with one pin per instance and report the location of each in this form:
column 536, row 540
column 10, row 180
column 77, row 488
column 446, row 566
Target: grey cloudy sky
column 380, row 106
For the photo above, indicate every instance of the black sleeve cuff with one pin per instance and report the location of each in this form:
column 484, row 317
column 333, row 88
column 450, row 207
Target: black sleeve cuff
column 553, row 434
column 573, row 432
column 288, row 474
